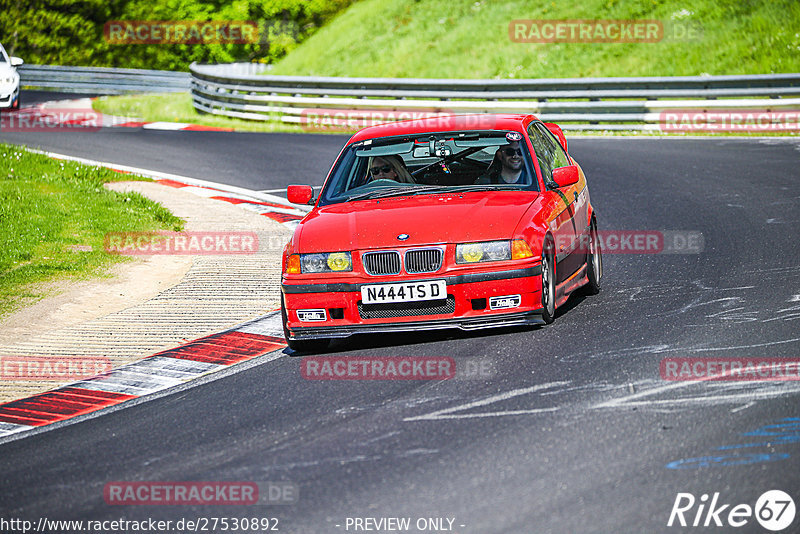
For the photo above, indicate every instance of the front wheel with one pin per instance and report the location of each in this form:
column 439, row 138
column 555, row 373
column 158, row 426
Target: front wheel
column 548, row 283
column 301, row 345
column 594, row 261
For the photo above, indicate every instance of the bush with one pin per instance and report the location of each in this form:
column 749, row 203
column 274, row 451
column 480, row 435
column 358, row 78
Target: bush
column 70, row 32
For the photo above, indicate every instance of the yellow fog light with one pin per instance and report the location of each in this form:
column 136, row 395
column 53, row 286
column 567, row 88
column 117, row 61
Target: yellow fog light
column 471, row 253
column 520, row 250
column 339, row 261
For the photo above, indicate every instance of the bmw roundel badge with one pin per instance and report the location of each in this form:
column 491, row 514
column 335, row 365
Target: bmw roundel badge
column 403, row 237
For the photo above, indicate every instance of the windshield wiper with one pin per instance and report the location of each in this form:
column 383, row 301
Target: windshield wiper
column 423, row 189
column 383, row 192
column 483, row 187
column 466, row 188
column 408, row 189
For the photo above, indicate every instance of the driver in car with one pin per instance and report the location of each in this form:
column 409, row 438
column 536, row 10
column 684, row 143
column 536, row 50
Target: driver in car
column 390, row 167
column 507, row 167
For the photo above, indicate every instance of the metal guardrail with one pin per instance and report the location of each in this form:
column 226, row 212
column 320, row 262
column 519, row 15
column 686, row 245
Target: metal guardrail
column 102, row 81
column 243, row 90
column 239, row 90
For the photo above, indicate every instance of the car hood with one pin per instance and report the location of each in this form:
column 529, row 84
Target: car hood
column 427, row 219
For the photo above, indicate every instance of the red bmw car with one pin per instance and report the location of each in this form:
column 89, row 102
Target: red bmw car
column 468, row 222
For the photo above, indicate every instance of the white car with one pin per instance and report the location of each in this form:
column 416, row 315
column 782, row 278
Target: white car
column 9, row 80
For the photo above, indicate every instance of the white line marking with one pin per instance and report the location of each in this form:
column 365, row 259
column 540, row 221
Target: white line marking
column 783, row 318
column 149, row 375
column 158, row 175
column 711, row 399
column 12, row 428
column 732, row 288
column 740, row 408
column 269, row 325
column 447, row 413
column 630, row 400
column 258, row 208
column 486, row 414
column 165, row 125
column 709, row 349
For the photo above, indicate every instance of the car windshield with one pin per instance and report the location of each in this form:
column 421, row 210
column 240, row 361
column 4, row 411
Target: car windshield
column 431, row 163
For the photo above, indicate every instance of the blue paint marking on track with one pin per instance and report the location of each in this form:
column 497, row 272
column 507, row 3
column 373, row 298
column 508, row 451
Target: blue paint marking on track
column 786, row 431
column 726, row 460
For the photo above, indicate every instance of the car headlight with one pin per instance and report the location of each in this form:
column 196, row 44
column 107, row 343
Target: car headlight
column 517, row 249
column 326, row 262
column 485, row 251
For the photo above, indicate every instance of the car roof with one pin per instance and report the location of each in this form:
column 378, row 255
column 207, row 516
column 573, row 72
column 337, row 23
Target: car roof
column 446, row 123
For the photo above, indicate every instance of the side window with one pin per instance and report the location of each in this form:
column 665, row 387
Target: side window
column 560, row 158
column 544, row 154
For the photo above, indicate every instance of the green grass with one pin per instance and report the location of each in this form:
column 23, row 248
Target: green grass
column 53, row 218
column 177, row 107
column 470, row 39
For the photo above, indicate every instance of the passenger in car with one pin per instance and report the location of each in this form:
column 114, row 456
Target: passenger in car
column 390, row 167
column 507, row 167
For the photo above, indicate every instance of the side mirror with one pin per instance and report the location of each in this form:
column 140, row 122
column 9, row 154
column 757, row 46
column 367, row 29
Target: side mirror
column 555, row 129
column 299, row 194
column 16, row 61
column 565, row 176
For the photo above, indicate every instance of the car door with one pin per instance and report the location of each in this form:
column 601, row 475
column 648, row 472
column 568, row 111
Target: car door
column 563, row 225
column 579, row 193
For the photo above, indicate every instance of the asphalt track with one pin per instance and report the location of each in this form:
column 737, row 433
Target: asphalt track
column 574, row 432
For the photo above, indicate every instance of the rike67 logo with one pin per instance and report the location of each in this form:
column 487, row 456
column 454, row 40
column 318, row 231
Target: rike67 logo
column 774, row 510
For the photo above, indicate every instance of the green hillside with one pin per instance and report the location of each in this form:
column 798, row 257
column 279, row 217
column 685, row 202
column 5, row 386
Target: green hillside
column 470, row 39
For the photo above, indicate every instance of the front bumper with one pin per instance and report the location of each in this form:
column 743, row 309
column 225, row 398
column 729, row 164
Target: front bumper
column 8, row 96
column 495, row 321
column 345, row 315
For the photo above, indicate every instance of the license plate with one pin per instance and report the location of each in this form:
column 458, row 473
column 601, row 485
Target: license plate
column 404, row 292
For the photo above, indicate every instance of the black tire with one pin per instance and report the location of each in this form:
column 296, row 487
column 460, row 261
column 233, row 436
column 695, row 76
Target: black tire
column 302, row 345
column 548, row 282
column 594, row 261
